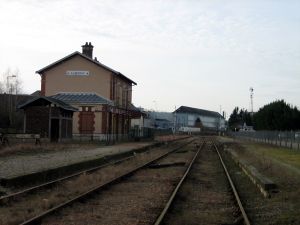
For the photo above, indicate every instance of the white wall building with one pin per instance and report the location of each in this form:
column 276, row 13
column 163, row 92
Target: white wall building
column 193, row 117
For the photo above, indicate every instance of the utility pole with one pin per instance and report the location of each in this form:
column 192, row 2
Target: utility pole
column 251, row 100
column 220, row 118
column 175, row 120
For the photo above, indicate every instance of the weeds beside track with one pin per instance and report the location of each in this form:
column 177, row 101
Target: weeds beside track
column 206, row 196
column 51, row 199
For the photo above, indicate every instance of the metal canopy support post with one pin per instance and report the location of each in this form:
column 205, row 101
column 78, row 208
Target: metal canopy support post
column 49, row 130
column 24, row 122
column 60, row 128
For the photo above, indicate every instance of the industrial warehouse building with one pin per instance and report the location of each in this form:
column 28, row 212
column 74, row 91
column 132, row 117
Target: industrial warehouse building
column 102, row 95
column 204, row 119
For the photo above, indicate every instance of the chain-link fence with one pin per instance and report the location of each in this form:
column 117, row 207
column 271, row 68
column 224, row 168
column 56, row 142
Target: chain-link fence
column 289, row 139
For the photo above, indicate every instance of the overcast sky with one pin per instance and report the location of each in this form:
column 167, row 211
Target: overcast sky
column 198, row 53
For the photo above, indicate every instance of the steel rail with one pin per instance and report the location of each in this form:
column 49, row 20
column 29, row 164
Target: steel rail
column 12, row 196
column 237, row 198
column 38, row 219
column 160, row 218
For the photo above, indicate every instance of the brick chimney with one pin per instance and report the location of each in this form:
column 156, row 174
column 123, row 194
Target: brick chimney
column 87, row 50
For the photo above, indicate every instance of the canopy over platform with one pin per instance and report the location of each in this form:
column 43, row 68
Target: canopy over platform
column 49, row 117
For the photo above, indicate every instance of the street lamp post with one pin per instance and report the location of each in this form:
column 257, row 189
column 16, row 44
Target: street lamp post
column 175, row 120
column 127, row 112
column 10, row 102
column 127, row 102
column 154, row 112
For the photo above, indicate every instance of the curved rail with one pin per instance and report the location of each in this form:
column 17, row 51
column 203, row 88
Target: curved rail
column 37, row 219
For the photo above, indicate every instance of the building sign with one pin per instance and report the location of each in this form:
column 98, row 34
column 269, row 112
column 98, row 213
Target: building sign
column 77, row 73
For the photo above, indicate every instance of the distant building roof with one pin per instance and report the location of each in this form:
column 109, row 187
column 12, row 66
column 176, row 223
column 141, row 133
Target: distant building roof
column 82, row 98
column 42, row 100
column 135, row 112
column 36, row 93
column 87, row 58
column 134, row 108
column 203, row 112
column 163, row 120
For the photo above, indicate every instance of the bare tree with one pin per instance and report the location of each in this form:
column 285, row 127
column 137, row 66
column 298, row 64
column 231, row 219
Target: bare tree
column 11, row 86
column 11, row 82
column 1, row 87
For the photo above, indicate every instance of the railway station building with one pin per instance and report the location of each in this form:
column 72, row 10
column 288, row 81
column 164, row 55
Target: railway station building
column 102, row 95
column 193, row 117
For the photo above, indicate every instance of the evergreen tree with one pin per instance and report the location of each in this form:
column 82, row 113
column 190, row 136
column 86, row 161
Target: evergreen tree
column 277, row 115
column 238, row 118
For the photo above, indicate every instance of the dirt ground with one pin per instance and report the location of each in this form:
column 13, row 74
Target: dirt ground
column 33, row 204
column 136, row 200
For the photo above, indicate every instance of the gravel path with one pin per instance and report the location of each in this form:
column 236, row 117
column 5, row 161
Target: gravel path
column 13, row 166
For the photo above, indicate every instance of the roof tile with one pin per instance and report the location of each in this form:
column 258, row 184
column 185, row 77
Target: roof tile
column 82, row 98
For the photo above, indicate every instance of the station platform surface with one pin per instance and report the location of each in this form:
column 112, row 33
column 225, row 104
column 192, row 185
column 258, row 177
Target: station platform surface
column 22, row 164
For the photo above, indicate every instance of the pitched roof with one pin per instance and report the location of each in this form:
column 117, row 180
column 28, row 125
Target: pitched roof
column 203, row 112
column 36, row 93
column 132, row 107
column 42, row 100
column 82, row 98
column 40, row 71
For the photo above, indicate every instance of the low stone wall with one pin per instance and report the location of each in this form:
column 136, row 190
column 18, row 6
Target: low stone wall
column 264, row 184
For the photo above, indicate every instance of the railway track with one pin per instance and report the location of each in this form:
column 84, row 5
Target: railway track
column 13, row 196
column 234, row 190
column 134, row 199
column 17, row 194
column 121, row 199
column 21, row 196
column 173, row 211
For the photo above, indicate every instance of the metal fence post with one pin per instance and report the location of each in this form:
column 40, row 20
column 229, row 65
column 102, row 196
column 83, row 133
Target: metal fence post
column 280, row 138
column 286, row 138
column 292, row 137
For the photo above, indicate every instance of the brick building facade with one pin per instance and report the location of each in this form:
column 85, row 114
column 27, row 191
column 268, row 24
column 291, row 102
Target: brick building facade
column 102, row 95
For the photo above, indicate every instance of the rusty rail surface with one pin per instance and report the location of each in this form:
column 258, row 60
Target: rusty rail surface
column 237, row 197
column 160, row 218
column 38, row 219
column 13, row 196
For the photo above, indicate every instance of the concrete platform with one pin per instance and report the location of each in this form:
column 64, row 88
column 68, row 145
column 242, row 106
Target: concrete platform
column 19, row 169
column 264, row 184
